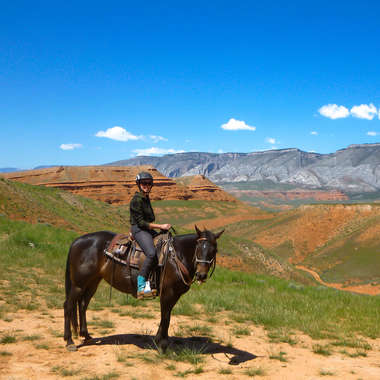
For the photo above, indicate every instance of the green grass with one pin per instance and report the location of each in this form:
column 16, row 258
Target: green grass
column 38, row 279
column 281, row 336
column 241, row 331
column 252, row 372
column 225, row 371
column 281, row 356
column 51, row 206
column 352, row 260
column 8, row 338
column 137, row 314
column 189, row 355
column 31, row 338
column 102, row 323
column 195, row 371
column 274, row 304
column 322, row 350
column 324, row 372
column 42, row 346
column 64, row 372
column 353, row 343
column 5, row 353
column 107, row 376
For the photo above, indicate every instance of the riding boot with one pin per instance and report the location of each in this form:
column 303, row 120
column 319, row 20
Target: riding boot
column 148, row 267
column 143, row 288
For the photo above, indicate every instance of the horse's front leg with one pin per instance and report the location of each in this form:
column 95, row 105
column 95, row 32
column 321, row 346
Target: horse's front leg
column 83, row 304
column 168, row 299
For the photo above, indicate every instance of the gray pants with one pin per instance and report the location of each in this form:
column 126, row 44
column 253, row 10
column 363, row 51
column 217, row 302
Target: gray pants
column 145, row 240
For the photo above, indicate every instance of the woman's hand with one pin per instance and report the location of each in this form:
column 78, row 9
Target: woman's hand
column 165, row 226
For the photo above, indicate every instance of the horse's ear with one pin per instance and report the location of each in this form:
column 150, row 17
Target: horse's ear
column 217, row 235
column 197, row 230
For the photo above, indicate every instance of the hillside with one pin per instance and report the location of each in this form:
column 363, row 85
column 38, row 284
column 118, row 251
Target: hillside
column 43, row 205
column 115, row 185
column 339, row 243
column 352, row 170
column 203, row 188
column 237, row 325
column 39, row 204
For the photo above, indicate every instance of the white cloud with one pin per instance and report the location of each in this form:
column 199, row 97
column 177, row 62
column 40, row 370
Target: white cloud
column 117, row 133
column 156, row 151
column 156, row 139
column 236, row 125
column 220, row 151
column 315, row 133
column 364, row 111
column 333, row 111
column 270, row 140
column 372, row 133
column 70, row 146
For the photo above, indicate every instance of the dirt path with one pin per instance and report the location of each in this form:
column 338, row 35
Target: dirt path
column 372, row 290
column 125, row 350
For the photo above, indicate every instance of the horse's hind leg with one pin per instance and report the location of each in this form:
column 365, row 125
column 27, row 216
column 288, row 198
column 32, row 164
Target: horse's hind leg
column 70, row 315
column 83, row 304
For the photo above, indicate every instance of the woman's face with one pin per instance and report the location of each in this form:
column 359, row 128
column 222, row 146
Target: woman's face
column 146, row 186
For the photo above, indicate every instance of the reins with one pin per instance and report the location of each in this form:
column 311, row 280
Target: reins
column 181, row 268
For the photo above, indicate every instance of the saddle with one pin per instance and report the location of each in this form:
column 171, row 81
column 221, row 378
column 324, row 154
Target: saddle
column 124, row 250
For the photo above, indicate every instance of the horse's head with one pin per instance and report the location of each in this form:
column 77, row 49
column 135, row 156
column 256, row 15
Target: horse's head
column 205, row 253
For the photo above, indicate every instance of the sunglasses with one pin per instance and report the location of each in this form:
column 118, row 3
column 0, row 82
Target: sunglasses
column 146, row 183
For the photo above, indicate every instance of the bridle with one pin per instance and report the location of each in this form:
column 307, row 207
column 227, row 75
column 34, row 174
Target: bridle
column 197, row 260
column 181, row 268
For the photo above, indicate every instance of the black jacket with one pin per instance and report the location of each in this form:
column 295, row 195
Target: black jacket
column 141, row 212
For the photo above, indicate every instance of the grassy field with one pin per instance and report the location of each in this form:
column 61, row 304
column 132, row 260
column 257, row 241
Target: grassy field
column 341, row 256
column 37, row 226
column 32, row 272
column 39, row 204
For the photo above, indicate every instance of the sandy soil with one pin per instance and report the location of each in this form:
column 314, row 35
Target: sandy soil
column 39, row 352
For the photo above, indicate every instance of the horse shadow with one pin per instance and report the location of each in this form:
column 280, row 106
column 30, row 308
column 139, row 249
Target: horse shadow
column 197, row 344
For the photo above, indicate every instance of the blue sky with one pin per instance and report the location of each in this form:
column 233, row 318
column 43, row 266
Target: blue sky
column 87, row 83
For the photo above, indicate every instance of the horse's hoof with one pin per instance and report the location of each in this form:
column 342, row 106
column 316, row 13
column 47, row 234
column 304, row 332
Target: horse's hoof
column 71, row 347
column 162, row 345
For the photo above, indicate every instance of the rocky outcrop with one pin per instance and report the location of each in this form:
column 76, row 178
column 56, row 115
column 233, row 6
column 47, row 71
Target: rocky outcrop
column 202, row 188
column 354, row 169
column 114, row 184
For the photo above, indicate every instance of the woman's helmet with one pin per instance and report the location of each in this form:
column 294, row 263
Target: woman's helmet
column 144, row 177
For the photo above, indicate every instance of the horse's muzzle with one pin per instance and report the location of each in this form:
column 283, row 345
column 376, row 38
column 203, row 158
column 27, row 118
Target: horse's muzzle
column 201, row 276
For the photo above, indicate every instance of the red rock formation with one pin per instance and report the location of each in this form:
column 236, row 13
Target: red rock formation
column 114, row 184
column 202, row 188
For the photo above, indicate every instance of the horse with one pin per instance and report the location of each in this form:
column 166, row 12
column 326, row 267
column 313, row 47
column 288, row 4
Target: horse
column 192, row 257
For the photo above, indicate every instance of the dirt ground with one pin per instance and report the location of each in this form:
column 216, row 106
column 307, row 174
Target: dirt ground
column 126, row 351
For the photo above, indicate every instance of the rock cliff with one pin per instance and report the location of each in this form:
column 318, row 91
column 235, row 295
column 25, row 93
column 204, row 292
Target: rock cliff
column 116, row 184
column 354, row 169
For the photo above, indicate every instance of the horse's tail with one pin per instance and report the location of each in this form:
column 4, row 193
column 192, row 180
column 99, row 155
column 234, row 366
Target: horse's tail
column 72, row 306
column 67, row 276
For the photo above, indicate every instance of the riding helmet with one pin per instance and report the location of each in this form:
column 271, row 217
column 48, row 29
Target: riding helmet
column 144, row 176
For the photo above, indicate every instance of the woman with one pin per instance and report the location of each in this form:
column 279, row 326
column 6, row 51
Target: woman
column 142, row 226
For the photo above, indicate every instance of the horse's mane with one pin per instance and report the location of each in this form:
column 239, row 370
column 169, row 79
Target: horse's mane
column 184, row 238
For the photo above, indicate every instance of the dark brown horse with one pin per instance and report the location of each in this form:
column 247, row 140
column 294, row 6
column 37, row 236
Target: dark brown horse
column 192, row 257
